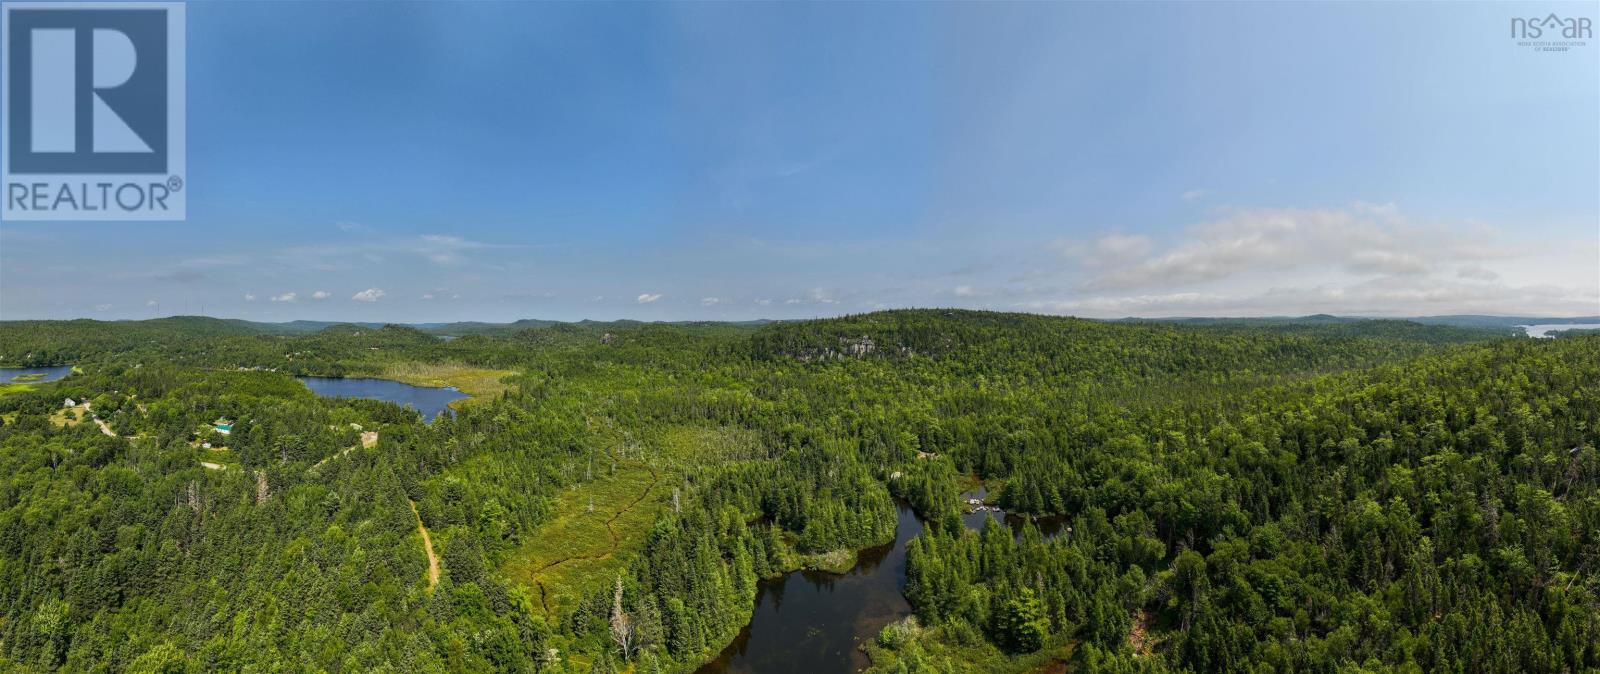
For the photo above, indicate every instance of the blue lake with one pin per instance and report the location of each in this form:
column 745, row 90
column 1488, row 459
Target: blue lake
column 429, row 401
column 1544, row 330
column 10, row 374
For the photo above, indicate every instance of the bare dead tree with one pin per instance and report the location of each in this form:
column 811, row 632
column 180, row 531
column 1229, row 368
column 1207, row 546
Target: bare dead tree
column 622, row 627
column 261, row 487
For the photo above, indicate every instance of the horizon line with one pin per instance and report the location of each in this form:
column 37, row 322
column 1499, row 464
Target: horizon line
column 1357, row 316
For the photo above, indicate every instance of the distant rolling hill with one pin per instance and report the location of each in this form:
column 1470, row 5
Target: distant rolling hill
column 207, row 326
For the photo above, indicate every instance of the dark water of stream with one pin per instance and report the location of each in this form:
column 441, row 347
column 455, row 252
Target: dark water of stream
column 1050, row 526
column 814, row 622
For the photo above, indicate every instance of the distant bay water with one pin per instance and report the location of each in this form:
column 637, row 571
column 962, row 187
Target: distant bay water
column 33, row 375
column 1543, row 331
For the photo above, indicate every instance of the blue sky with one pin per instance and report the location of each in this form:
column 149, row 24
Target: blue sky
column 495, row 161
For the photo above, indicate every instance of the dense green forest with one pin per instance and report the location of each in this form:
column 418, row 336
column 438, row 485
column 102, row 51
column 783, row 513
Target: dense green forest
column 1316, row 495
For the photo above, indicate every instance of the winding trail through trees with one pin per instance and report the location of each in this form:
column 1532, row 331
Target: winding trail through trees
column 369, row 439
column 427, row 545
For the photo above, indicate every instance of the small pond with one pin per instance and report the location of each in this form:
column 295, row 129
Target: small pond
column 814, row 621
column 33, row 375
column 430, row 402
column 1051, row 526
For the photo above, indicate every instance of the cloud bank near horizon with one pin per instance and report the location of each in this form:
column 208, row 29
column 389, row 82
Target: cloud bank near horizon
column 1362, row 259
column 1370, row 260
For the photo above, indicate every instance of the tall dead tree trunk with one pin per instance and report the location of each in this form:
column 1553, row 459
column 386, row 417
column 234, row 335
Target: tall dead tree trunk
column 622, row 628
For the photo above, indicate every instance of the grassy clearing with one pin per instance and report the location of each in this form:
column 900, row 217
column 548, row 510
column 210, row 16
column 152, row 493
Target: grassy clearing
column 693, row 445
column 480, row 383
column 79, row 415
column 8, row 389
column 582, row 548
column 949, row 652
column 836, row 561
column 218, row 456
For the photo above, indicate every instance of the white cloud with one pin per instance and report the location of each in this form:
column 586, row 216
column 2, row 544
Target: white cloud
column 814, row 296
column 286, row 297
column 152, row 303
column 249, row 298
column 764, row 302
column 1363, row 259
column 648, row 298
column 102, row 307
column 710, row 301
column 968, row 292
column 321, row 295
column 213, row 261
column 1195, row 195
column 448, row 250
column 438, row 249
column 1386, row 296
column 1121, row 246
column 1109, row 250
column 527, row 296
column 368, row 295
column 1388, row 262
column 426, row 296
column 1361, row 239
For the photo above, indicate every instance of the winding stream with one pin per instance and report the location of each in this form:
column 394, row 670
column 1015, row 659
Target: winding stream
column 812, row 621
